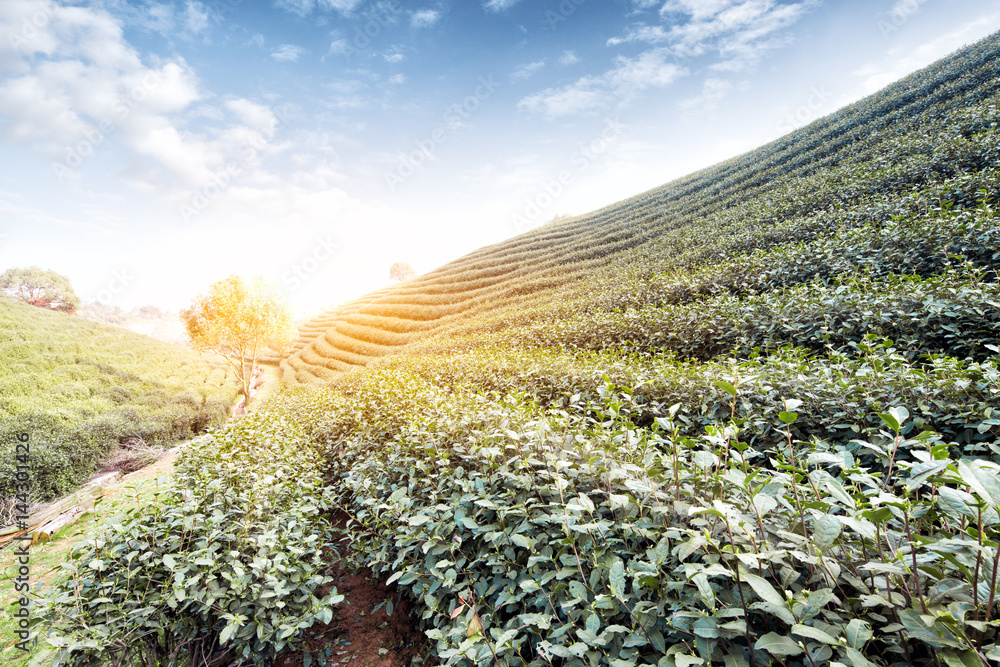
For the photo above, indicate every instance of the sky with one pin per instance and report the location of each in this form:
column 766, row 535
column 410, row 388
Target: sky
column 150, row 148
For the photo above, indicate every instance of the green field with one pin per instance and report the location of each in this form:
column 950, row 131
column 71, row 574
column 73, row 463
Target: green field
column 747, row 418
column 79, row 389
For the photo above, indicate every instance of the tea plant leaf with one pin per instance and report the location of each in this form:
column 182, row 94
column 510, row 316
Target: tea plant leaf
column 616, row 579
column 826, row 531
column 764, row 589
column 778, row 645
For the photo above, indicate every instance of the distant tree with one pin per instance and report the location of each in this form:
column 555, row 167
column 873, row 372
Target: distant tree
column 106, row 314
column 149, row 312
column 401, row 271
column 237, row 321
column 40, row 287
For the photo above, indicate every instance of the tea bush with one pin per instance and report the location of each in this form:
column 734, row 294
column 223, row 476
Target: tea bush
column 532, row 547
column 227, row 568
column 578, row 533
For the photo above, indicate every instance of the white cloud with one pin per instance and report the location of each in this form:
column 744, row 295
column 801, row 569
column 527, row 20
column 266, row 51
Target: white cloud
column 651, row 34
column 525, row 71
column 78, row 87
column 898, row 62
column 626, row 82
column 300, row 7
column 499, row 5
column 342, row 6
column 699, row 10
column 346, row 94
column 568, row 58
column 714, row 91
column 424, row 18
column 394, row 57
column 306, row 7
column 196, row 17
column 287, row 53
column 250, row 113
column 740, row 31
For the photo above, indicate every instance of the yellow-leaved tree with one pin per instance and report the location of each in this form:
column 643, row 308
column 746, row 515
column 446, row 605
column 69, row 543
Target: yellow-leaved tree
column 238, row 320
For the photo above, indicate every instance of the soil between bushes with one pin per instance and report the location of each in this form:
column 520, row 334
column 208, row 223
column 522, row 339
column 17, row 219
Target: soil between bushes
column 361, row 637
column 358, row 635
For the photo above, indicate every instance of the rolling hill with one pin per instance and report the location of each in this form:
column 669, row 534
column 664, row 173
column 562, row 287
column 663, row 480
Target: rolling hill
column 79, row 389
column 747, row 418
column 783, row 215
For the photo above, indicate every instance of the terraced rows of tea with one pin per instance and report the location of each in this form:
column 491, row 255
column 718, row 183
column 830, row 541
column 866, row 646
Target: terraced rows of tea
column 898, row 157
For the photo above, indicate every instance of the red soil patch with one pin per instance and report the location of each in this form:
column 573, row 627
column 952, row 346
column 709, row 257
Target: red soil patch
column 361, row 637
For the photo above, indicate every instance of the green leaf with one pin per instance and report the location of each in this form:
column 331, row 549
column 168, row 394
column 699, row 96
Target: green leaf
column 725, row 386
column 826, row 530
column 227, row 633
column 778, row 610
column 704, row 589
column 857, row 659
column 857, row 633
column 521, row 541
column 788, row 417
column 776, row 644
column 764, row 503
column 529, row 585
column 764, row 589
column 704, row 459
column 616, row 578
column 901, row 414
column 955, row 502
column 169, row 561
column 984, row 482
column 890, row 421
column 686, row 660
column 813, row 633
column 836, row 489
column 955, row 658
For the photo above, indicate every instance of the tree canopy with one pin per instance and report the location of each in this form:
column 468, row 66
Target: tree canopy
column 401, row 271
column 238, row 320
column 40, row 287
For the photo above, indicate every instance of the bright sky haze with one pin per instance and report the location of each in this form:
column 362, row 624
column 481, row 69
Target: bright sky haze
column 148, row 149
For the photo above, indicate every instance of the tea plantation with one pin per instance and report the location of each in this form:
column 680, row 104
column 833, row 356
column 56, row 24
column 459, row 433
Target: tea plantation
column 79, row 388
column 751, row 417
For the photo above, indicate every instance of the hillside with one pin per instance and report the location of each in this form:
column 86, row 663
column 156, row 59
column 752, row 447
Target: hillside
column 862, row 190
column 746, row 418
column 79, row 389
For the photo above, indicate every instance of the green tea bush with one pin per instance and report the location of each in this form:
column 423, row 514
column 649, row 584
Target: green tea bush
column 612, row 545
column 227, row 568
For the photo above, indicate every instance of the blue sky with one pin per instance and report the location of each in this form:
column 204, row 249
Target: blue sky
column 149, row 148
